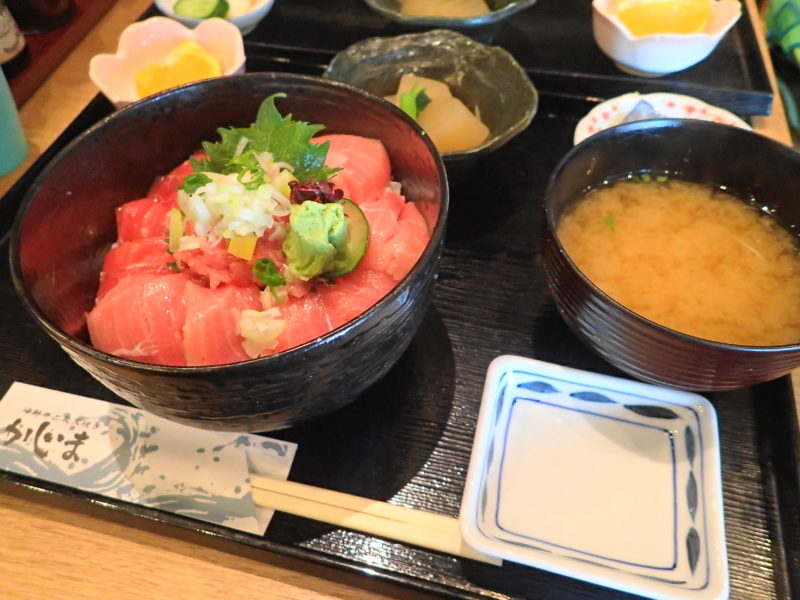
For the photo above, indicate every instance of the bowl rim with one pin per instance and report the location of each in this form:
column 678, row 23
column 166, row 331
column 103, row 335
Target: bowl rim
column 69, row 342
column 490, row 18
column 665, row 124
column 490, row 144
column 166, row 8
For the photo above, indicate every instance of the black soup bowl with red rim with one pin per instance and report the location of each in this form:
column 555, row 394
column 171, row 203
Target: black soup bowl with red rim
column 67, row 224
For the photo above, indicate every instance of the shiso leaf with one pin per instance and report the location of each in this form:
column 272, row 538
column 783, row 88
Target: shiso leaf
column 286, row 139
column 194, row 181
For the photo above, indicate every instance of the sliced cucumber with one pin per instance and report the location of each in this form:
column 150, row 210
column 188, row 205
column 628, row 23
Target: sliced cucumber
column 357, row 240
column 201, row 9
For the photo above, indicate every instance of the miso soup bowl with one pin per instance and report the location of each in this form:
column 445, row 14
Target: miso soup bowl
column 66, row 224
column 749, row 164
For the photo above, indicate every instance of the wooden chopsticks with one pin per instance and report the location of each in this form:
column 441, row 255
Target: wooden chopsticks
column 408, row 525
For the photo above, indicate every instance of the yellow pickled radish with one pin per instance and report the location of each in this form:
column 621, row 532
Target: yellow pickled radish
column 444, row 8
column 451, row 125
column 648, row 17
column 175, row 229
column 243, row 246
column 186, row 62
column 433, row 89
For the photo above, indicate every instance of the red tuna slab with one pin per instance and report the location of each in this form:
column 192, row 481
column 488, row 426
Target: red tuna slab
column 141, row 318
column 146, row 255
column 211, row 331
column 365, row 163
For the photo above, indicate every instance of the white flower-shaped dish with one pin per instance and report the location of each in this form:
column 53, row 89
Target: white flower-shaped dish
column 671, row 106
column 603, row 479
column 149, row 41
column 659, row 54
column 246, row 22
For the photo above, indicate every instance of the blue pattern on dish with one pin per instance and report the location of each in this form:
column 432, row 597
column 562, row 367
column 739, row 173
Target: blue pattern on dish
column 694, row 550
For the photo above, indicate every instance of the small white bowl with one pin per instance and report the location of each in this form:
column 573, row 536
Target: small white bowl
column 670, row 106
column 659, row 54
column 603, row 479
column 246, row 22
column 149, row 41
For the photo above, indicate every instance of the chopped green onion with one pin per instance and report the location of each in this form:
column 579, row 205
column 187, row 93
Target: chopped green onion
column 413, row 101
column 265, row 270
column 609, row 221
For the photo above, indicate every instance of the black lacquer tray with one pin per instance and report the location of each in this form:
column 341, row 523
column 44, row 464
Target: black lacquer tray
column 408, row 439
column 552, row 40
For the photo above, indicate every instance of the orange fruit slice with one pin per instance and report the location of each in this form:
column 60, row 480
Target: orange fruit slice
column 186, row 62
column 648, row 17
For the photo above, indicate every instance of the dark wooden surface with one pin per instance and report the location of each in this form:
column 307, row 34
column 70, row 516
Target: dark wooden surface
column 49, row 48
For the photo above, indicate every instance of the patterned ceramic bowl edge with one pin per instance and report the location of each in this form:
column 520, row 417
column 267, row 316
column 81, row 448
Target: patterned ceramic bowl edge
column 678, row 106
column 599, row 478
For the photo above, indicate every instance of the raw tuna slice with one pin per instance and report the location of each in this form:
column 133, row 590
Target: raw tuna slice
column 143, row 218
column 349, row 296
column 394, row 250
column 165, row 188
column 408, row 243
column 388, row 199
column 365, row 163
column 146, row 255
column 382, row 215
column 306, row 319
column 211, row 331
column 141, row 318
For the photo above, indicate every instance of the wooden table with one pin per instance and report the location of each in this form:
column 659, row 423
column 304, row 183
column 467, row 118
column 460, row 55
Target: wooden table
column 53, row 550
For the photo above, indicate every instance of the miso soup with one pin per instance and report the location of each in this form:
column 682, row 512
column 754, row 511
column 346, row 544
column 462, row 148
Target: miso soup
column 690, row 257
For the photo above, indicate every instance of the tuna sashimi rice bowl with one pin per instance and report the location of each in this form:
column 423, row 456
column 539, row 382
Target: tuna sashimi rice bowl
column 256, row 252
column 264, row 240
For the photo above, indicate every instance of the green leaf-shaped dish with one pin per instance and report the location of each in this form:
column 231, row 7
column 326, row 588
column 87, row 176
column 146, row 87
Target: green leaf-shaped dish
column 486, row 78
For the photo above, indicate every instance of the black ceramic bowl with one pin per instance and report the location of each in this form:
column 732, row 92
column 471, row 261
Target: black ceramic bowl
column 66, row 225
column 486, row 78
column 750, row 165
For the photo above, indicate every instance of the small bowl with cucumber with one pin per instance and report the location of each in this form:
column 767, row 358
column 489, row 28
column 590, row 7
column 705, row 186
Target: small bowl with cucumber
column 245, row 14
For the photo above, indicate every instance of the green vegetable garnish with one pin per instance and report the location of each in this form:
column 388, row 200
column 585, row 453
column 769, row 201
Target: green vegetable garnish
column 609, row 221
column 174, row 266
column 193, row 182
column 414, row 100
column 201, row 9
column 286, row 139
column 266, row 271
